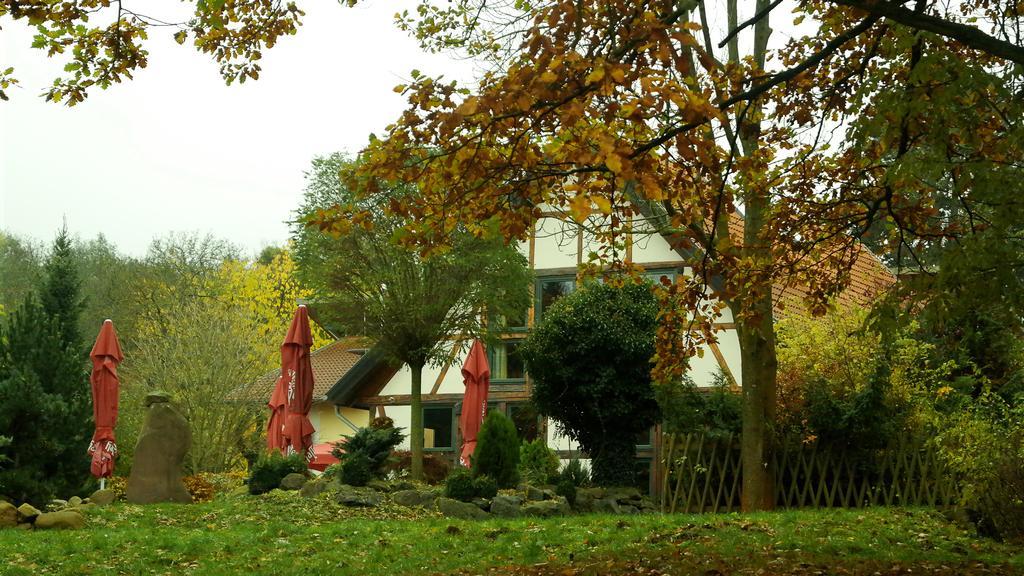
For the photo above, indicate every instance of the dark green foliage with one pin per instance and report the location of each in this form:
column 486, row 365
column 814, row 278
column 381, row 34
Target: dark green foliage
column 497, row 450
column 375, row 444
column 590, row 360
column 538, row 464
column 575, row 473
column 716, row 412
column 45, row 404
column 356, row 470
column 485, row 486
column 460, row 485
column 860, row 421
column 566, row 487
column 268, row 471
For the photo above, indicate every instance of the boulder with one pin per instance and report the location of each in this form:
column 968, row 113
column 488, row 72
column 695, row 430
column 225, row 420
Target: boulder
column 28, row 512
column 411, row 498
column 605, row 506
column 293, row 481
column 545, row 508
column 534, row 493
column 379, row 485
column 24, row 526
column 506, row 506
column 163, row 443
column 74, row 501
column 8, row 515
column 465, row 510
column 313, row 488
column 156, row 397
column 482, row 503
column 357, row 497
column 403, row 485
column 57, row 504
column 64, row 519
column 103, row 497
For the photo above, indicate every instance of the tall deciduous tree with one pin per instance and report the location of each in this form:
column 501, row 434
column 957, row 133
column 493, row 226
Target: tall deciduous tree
column 624, row 109
column 411, row 306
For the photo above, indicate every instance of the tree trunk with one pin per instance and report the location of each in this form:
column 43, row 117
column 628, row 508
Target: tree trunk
column 416, row 423
column 757, row 352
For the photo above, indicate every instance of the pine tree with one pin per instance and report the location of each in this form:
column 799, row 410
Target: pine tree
column 44, row 388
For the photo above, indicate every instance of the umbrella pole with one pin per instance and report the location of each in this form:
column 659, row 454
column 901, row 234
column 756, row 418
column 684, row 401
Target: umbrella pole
column 103, row 483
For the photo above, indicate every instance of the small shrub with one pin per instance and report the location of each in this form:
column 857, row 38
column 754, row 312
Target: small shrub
column 497, row 450
column 485, row 487
column 576, row 473
column 355, row 470
column 435, row 468
column 566, row 488
column 268, row 471
column 331, row 472
column 375, row 444
column 381, row 422
column 460, row 485
column 538, row 464
column 199, row 488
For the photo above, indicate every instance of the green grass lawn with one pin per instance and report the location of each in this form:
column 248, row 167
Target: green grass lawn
column 286, row 534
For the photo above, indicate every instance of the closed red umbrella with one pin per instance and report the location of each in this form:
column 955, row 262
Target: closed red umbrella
column 297, row 376
column 476, row 375
column 106, row 355
column 277, row 404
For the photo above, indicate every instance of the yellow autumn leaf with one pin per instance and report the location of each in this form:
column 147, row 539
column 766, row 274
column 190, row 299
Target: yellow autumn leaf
column 548, row 76
column 613, row 162
column 579, row 208
column 596, row 75
column 618, row 75
column 603, row 204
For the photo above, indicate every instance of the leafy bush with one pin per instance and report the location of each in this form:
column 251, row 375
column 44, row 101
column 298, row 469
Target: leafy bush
column 538, row 464
column 485, row 486
column 715, row 412
column 199, row 488
column 566, row 488
column 590, row 360
column 576, row 473
column 435, row 468
column 984, row 447
column 375, row 444
column 268, row 471
column 497, row 450
column 460, row 485
column 356, row 470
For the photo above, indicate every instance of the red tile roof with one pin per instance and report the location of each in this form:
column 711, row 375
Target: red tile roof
column 329, row 363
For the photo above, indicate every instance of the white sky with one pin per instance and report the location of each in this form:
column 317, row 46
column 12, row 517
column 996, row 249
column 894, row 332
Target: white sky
column 177, row 150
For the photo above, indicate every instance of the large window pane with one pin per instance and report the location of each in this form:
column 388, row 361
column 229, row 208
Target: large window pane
column 527, row 421
column 439, row 420
column 506, row 363
column 552, row 290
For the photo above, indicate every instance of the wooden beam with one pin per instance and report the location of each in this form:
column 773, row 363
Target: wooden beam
column 406, row 399
column 456, row 346
column 722, row 363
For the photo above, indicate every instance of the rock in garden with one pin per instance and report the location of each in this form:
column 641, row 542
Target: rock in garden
column 410, row 498
column 313, row 488
column 506, row 506
column 8, row 515
column 28, row 511
column 465, row 510
column 379, row 485
column 534, row 493
column 357, row 497
column 103, row 497
column 64, row 519
column 545, row 508
column 293, row 481
column 57, row 504
column 606, row 506
column 74, row 501
column 24, row 526
column 163, row 442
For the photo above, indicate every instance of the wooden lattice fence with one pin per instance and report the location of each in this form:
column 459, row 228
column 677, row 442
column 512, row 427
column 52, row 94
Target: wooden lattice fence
column 702, row 474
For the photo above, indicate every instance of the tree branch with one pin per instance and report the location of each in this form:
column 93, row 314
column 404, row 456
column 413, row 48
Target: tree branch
column 753, row 20
column 967, row 35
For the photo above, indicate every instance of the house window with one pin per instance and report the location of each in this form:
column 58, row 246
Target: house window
column 655, row 276
column 439, row 420
column 511, row 323
column 526, row 419
column 506, row 363
column 549, row 290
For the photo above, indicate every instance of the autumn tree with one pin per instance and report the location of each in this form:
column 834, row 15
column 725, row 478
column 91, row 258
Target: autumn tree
column 628, row 109
column 412, row 307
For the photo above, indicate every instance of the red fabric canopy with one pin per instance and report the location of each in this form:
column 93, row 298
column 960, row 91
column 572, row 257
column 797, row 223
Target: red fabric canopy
column 106, row 355
column 297, row 377
column 476, row 375
column 323, row 456
column 277, row 404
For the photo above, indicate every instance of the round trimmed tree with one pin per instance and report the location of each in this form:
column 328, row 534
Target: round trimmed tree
column 590, row 362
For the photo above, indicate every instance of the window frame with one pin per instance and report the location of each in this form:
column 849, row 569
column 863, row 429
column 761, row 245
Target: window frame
column 538, row 292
